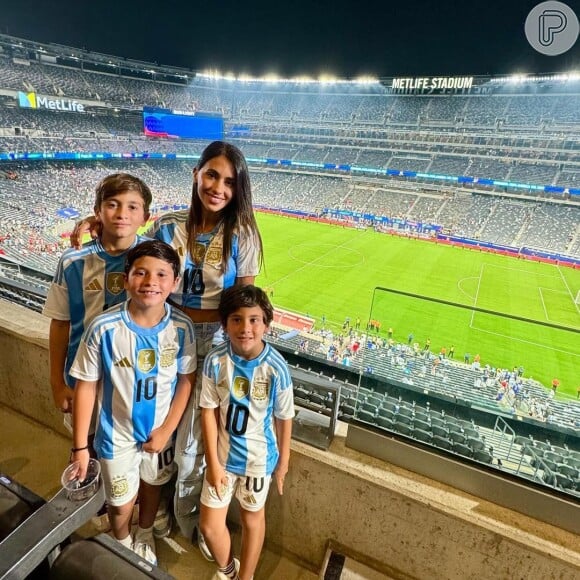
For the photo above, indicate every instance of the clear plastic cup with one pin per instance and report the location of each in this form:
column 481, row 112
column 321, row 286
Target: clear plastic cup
column 81, row 490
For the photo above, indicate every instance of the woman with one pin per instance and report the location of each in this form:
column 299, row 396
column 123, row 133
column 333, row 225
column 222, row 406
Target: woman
column 219, row 245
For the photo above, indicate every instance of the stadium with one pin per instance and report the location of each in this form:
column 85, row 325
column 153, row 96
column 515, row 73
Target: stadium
column 422, row 243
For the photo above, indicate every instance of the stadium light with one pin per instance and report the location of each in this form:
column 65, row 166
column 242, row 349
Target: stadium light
column 366, row 80
column 327, row 79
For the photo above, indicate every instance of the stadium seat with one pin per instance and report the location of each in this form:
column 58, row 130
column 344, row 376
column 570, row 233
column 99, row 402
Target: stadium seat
column 569, row 471
column 366, row 416
column 406, row 411
column 300, row 401
column 419, row 424
column 457, row 437
column 347, row 410
column 482, row 455
column 563, row 481
column 422, row 435
column 442, row 442
column 390, row 405
column 384, row 422
column 462, row 449
column 556, row 457
column 402, row 428
column 406, row 419
column 301, row 392
column 471, row 432
column 421, row 415
column 386, row 413
column 317, row 398
column 370, row 407
column 521, row 440
column 475, row 444
column 439, row 431
column 438, row 421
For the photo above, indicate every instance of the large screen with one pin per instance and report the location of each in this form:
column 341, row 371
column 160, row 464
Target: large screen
column 165, row 123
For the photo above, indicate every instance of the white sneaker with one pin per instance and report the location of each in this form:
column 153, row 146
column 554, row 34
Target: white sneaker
column 221, row 576
column 203, row 547
column 162, row 523
column 144, row 547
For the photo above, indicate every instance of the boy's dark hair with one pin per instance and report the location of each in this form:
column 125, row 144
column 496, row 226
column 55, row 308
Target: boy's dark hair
column 154, row 249
column 246, row 296
column 120, row 183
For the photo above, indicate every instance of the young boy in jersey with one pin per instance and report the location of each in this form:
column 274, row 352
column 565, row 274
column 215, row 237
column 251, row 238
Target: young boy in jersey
column 247, row 410
column 138, row 360
column 90, row 280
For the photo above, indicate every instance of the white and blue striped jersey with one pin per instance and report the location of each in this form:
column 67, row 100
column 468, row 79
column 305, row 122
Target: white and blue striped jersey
column 249, row 394
column 137, row 372
column 87, row 282
column 202, row 279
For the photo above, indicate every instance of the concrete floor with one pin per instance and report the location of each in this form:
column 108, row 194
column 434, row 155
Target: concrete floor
column 35, row 456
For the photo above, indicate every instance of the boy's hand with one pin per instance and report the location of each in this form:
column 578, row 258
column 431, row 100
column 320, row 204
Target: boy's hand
column 280, row 475
column 63, row 397
column 217, row 478
column 88, row 224
column 157, row 440
column 82, row 457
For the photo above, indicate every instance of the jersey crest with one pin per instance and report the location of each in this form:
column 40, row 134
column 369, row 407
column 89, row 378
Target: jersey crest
column 168, row 356
column 146, row 359
column 119, row 487
column 115, row 282
column 241, row 387
column 260, row 390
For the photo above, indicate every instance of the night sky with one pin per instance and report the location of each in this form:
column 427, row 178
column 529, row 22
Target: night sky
column 343, row 37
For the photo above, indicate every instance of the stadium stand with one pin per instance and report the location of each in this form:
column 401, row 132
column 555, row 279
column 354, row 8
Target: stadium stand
column 505, row 135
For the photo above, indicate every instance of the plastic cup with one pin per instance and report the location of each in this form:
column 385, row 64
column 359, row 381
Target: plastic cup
column 81, row 490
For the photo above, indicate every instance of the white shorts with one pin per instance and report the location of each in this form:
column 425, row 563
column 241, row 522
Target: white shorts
column 122, row 474
column 251, row 492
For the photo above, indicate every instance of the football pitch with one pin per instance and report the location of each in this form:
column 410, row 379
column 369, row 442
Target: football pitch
column 318, row 269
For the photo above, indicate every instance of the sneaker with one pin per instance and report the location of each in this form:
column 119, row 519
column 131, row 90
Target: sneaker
column 203, row 547
column 144, row 547
column 162, row 523
column 221, row 576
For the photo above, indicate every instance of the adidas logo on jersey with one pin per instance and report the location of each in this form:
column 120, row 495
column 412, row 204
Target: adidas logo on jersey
column 94, row 285
column 124, row 362
column 250, row 499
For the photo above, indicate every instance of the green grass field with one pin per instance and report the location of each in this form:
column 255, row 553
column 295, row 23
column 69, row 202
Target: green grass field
column 318, row 269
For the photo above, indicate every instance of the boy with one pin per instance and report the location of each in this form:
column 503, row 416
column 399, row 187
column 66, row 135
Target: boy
column 247, row 409
column 138, row 360
column 90, row 280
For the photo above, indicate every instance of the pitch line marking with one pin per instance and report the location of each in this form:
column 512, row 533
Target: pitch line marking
column 526, row 341
column 460, row 283
column 313, row 262
column 544, row 304
column 520, row 271
column 568, row 288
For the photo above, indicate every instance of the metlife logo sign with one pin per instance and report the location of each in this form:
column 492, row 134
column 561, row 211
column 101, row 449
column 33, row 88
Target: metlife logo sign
column 34, row 101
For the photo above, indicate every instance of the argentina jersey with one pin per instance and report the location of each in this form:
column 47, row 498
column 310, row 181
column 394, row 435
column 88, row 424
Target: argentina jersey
column 202, row 277
column 137, row 372
column 249, row 395
column 87, row 282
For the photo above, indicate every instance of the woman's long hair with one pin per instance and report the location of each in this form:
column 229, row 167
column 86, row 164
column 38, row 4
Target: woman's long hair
column 238, row 214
